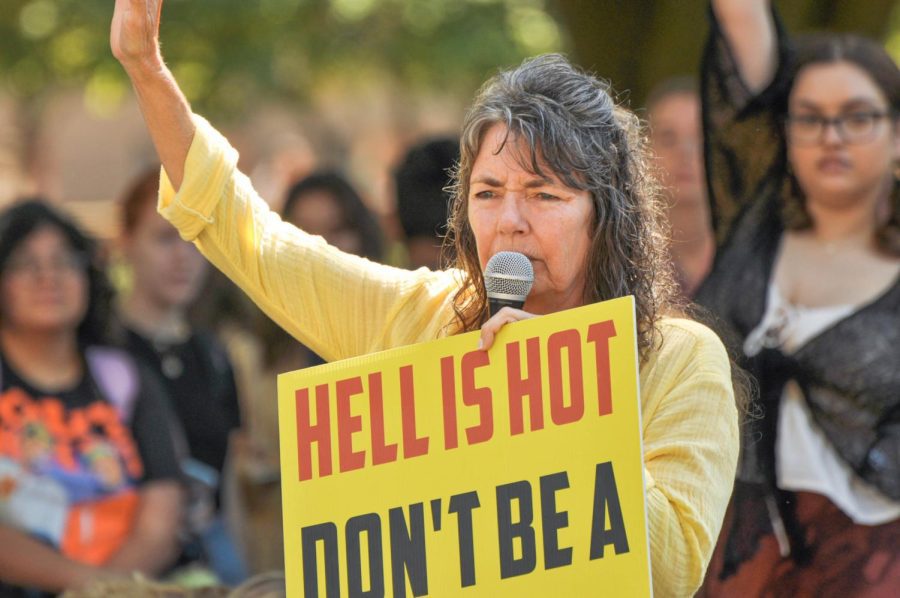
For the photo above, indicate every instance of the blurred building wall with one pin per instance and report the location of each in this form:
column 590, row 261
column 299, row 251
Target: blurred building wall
column 85, row 161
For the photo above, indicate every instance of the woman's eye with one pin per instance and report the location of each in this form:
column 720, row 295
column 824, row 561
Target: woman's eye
column 484, row 194
column 859, row 119
column 547, row 196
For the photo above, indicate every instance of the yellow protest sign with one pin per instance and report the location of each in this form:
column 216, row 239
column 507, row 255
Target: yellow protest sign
column 440, row 470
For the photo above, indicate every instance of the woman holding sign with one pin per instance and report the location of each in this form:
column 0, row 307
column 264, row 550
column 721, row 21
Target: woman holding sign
column 550, row 168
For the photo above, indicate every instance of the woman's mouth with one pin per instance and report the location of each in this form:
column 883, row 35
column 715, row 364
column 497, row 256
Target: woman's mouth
column 833, row 164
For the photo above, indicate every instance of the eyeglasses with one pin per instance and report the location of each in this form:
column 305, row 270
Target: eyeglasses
column 855, row 127
column 63, row 263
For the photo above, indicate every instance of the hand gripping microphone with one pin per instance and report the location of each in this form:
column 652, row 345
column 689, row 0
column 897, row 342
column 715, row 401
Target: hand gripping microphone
column 508, row 277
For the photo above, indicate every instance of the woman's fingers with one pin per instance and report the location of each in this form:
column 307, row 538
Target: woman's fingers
column 503, row 317
column 134, row 33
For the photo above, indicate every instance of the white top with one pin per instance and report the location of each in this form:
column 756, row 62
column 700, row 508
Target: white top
column 805, row 459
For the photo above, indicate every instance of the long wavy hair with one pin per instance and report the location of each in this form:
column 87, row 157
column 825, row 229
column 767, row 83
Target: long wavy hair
column 571, row 125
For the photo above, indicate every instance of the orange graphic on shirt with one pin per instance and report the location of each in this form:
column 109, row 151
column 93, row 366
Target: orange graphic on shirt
column 96, row 530
column 31, row 430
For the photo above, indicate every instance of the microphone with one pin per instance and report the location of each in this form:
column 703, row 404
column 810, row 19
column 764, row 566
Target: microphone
column 508, row 277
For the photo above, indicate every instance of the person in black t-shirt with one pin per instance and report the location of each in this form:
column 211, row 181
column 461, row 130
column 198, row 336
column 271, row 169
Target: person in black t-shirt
column 167, row 276
column 89, row 480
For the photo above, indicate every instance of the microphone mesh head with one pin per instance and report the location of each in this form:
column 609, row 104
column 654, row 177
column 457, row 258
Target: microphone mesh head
column 508, row 273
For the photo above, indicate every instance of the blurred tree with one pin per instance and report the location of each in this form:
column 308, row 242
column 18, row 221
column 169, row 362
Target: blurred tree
column 635, row 43
column 226, row 52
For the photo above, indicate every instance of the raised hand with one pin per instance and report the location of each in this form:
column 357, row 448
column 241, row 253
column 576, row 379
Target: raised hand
column 134, row 33
column 134, row 39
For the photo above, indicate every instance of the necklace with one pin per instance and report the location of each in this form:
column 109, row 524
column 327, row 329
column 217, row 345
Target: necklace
column 168, row 347
column 166, row 342
column 172, row 366
column 170, row 362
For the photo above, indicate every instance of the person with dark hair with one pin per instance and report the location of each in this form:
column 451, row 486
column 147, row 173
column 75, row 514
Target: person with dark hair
column 88, row 469
column 167, row 274
column 550, row 167
column 676, row 138
column 802, row 142
column 423, row 202
column 328, row 206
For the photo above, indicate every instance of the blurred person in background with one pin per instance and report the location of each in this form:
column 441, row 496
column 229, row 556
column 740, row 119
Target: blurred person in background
column 676, row 138
column 802, row 145
column 423, row 204
column 89, row 478
column 324, row 204
column 328, row 206
column 166, row 275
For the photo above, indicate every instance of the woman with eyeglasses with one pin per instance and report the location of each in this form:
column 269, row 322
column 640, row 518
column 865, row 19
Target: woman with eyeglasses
column 802, row 143
column 89, row 481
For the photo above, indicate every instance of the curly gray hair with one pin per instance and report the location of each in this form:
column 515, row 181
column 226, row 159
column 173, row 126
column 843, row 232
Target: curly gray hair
column 572, row 125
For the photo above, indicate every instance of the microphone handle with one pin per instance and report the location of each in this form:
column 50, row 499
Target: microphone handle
column 497, row 303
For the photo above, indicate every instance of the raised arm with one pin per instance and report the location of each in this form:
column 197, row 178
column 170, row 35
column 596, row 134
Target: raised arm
column 750, row 30
column 134, row 38
column 337, row 304
column 742, row 79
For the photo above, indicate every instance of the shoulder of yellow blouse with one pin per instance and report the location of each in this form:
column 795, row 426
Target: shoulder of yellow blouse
column 686, row 341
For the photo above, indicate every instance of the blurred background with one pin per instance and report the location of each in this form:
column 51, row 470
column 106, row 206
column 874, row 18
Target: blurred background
column 303, row 84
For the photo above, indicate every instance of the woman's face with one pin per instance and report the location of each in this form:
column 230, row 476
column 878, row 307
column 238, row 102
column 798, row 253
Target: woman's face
column 839, row 169
column 167, row 269
column 676, row 138
column 319, row 213
column 45, row 285
column 512, row 209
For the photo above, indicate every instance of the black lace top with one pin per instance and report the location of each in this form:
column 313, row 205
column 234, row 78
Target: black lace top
column 849, row 373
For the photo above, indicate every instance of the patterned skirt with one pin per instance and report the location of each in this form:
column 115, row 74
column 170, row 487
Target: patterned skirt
column 846, row 560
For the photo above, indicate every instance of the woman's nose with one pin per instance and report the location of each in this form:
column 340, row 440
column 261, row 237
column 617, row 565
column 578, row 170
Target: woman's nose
column 831, row 135
column 512, row 219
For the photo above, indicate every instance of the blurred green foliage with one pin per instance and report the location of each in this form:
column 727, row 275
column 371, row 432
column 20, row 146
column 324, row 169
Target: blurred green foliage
column 225, row 53
column 637, row 43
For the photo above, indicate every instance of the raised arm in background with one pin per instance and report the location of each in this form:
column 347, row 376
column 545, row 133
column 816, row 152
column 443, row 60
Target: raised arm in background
column 134, row 38
column 742, row 72
column 749, row 28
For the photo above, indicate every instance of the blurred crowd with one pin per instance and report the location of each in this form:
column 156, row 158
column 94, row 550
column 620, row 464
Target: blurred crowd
column 159, row 378
column 138, row 414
